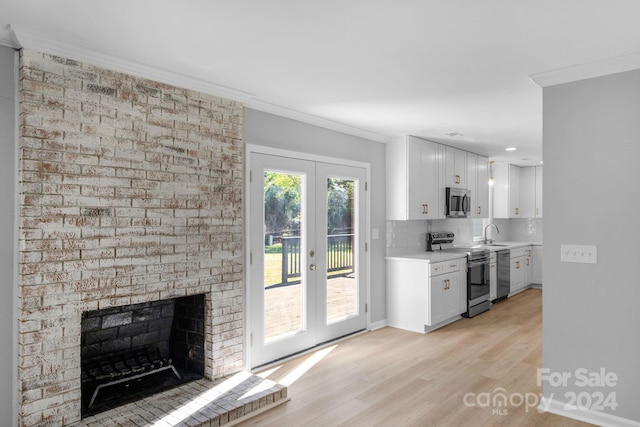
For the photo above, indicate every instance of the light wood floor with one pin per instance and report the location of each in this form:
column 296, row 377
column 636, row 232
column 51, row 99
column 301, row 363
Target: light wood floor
column 391, row 377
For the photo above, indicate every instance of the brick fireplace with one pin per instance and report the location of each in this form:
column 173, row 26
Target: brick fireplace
column 130, row 193
column 133, row 351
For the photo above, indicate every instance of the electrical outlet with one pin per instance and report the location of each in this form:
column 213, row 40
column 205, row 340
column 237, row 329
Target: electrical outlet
column 579, row 253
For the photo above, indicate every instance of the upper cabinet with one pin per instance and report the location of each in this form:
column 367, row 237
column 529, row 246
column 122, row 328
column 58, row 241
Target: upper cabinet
column 527, row 192
column 538, row 191
column 455, row 168
column 418, row 171
column 506, row 191
column 478, row 183
column 517, row 191
column 413, row 176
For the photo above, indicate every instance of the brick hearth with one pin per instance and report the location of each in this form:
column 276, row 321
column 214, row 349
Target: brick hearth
column 130, row 192
column 200, row 403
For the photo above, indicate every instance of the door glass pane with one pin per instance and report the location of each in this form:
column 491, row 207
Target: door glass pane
column 342, row 282
column 284, row 287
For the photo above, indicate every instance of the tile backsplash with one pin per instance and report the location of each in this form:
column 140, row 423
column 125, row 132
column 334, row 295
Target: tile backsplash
column 411, row 236
column 406, row 236
column 521, row 230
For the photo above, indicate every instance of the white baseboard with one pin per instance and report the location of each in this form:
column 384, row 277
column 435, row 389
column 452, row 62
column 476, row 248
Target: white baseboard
column 586, row 415
column 378, row 325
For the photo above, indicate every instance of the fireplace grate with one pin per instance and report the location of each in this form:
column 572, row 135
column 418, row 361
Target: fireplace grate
column 123, row 367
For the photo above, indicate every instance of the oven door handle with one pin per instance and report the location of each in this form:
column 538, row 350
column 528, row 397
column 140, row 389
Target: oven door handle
column 478, row 263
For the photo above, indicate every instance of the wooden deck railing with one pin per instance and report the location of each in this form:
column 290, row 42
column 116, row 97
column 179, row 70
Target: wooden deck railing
column 339, row 257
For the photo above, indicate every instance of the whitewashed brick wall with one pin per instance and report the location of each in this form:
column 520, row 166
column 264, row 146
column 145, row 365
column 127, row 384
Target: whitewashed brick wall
column 130, row 191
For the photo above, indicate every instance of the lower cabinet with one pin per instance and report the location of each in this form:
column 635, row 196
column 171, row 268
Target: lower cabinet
column 493, row 276
column 518, row 273
column 536, row 274
column 422, row 295
column 445, row 297
column 521, row 271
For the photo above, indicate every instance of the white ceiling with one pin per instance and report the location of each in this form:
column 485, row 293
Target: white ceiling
column 392, row 67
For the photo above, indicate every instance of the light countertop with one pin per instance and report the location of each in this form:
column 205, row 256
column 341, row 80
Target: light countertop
column 438, row 256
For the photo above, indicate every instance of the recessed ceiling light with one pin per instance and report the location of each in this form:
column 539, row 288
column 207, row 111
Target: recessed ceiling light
column 453, row 134
column 510, row 149
column 541, row 162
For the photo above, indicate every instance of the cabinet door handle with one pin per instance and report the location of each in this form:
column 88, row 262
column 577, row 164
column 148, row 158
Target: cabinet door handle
column 528, row 262
column 457, row 179
column 517, row 265
column 517, row 211
column 479, row 210
column 425, row 209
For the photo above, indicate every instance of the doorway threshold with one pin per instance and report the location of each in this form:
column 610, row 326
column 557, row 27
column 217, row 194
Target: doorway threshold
column 307, row 351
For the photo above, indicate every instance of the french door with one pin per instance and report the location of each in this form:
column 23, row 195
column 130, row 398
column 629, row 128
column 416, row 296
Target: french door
column 307, row 281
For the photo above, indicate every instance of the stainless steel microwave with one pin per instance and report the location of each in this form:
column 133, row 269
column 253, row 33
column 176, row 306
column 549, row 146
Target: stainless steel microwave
column 458, row 202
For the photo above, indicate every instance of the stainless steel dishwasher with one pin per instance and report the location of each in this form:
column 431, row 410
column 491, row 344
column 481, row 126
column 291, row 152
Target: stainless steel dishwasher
column 503, row 258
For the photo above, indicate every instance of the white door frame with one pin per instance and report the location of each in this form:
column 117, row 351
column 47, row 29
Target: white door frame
column 252, row 148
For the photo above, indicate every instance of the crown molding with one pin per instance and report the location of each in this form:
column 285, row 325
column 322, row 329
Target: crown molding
column 55, row 46
column 277, row 110
column 587, row 70
column 4, row 41
column 8, row 38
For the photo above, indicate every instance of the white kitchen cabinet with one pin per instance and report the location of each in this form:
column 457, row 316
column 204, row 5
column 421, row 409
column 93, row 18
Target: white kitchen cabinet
column 445, row 289
column 464, row 303
column 421, row 295
column 455, row 167
column 531, row 192
column 445, row 298
column 527, row 192
column 536, row 276
column 493, row 276
column 418, row 173
column 538, row 213
column 514, row 191
column 506, row 191
column 414, row 168
column 528, row 267
column 482, row 189
column 518, row 272
column 478, row 183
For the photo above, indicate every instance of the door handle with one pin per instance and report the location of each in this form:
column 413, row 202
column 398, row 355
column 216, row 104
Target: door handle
column 313, row 267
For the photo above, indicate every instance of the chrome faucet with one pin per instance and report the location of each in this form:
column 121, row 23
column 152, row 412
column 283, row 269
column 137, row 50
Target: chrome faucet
column 486, row 241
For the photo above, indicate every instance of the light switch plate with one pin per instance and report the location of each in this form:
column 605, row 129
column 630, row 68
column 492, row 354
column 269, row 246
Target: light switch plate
column 579, row 253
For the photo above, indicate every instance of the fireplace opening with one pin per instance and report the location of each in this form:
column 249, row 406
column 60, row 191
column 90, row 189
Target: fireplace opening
column 130, row 352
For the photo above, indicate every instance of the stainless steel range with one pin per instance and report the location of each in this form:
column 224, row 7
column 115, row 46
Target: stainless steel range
column 477, row 270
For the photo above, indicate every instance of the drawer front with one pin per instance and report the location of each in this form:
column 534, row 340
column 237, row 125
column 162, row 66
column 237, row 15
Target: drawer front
column 515, row 253
column 444, row 267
